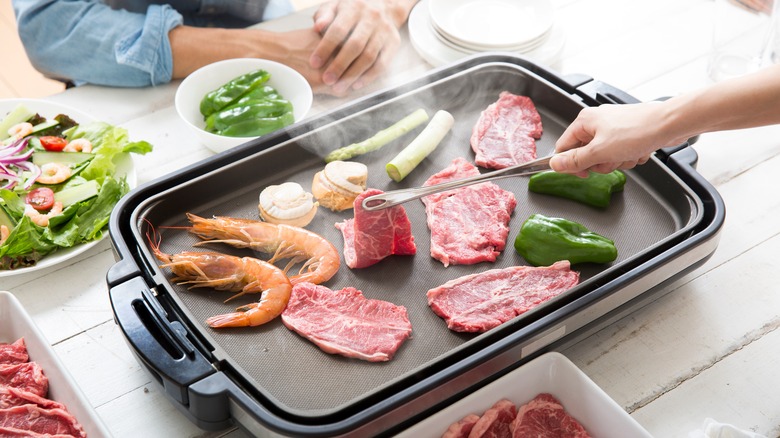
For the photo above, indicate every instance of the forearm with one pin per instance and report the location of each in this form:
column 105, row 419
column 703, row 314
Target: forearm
column 744, row 102
column 194, row 47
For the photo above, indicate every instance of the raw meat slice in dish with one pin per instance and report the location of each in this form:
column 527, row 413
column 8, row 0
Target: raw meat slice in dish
column 347, row 323
column 462, row 428
column 468, row 225
column 482, row 301
column 506, row 132
column 13, row 353
column 10, row 397
column 545, row 417
column 373, row 235
column 496, row 422
column 43, row 421
column 26, row 376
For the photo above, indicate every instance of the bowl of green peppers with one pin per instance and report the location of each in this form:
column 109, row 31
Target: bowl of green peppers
column 230, row 102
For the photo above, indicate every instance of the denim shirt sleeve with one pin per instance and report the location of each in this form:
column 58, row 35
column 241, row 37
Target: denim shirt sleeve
column 85, row 41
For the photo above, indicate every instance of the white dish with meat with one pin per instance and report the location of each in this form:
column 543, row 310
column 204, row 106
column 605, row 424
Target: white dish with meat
column 16, row 324
column 551, row 373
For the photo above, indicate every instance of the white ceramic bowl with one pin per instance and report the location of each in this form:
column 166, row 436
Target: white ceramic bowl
column 289, row 83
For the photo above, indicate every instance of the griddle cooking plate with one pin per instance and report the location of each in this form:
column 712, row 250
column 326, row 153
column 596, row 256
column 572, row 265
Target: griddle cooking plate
column 655, row 211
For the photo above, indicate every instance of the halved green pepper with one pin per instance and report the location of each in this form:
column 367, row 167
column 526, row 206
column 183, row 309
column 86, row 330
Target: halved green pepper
column 544, row 240
column 252, row 118
column 232, row 91
column 259, row 126
column 595, row 190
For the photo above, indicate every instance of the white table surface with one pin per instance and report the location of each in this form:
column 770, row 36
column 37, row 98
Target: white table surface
column 708, row 348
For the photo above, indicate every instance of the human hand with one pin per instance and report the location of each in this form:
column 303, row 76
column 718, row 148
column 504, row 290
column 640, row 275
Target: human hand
column 359, row 39
column 608, row 137
column 291, row 48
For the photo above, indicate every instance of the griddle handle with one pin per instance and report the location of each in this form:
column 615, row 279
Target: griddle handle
column 159, row 344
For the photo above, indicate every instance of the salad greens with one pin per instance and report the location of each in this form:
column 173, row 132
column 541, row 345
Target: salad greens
column 87, row 196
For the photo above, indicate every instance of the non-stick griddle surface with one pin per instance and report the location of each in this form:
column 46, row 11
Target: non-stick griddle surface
column 293, row 373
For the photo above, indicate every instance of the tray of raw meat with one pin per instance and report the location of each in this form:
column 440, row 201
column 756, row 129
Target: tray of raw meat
column 38, row 397
column 548, row 396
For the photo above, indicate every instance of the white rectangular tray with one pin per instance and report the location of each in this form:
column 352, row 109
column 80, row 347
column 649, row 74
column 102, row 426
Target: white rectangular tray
column 552, row 373
column 15, row 323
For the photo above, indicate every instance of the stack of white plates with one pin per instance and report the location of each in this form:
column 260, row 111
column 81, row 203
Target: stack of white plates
column 446, row 30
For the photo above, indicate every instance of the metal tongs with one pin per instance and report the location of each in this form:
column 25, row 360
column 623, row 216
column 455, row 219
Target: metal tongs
column 395, row 197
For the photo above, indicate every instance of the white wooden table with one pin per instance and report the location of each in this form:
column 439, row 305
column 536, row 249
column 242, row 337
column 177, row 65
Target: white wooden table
column 708, row 348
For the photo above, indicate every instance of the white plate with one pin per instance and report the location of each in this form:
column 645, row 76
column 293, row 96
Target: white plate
column 552, row 373
column 471, row 50
column 125, row 167
column 492, row 24
column 15, row 323
column 436, row 52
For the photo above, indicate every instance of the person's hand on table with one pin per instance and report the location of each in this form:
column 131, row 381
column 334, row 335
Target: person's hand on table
column 608, row 137
column 359, row 40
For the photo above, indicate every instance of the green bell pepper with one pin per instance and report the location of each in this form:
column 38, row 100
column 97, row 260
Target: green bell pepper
column 250, row 111
column 232, row 91
column 251, row 119
column 595, row 190
column 259, row 126
column 543, row 241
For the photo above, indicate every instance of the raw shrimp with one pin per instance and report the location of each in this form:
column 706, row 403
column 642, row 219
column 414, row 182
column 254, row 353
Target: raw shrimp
column 320, row 258
column 4, row 233
column 245, row 275
column 54, row 173
column 78, row 145
column 42, row 219
column 20, row 130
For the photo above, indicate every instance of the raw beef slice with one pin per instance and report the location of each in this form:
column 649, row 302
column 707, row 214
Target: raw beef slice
column 10, row 397
column 462, row 428
column 496, row 422
column 506, row 132
column 345, row 322
column 545, row 417
column 482, row 301
column 42, row 421
column 13, row 353
column 468, row 225
column 373, row 235
column 26, row 376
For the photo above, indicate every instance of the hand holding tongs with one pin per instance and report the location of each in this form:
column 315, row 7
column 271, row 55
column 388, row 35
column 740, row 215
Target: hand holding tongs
column 395, row 197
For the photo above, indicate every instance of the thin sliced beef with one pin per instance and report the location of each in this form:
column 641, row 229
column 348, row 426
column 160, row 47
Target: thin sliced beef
column 26, row 376
column 468, row 225
column 373, row 235
column 9, row 432
column 10, row 397
column 496, row 422
column 545, row 417
column 482, row 301
column 506, row 132
column 345, row 322
column 43, row 421
column 462, row 428
column 13, row 353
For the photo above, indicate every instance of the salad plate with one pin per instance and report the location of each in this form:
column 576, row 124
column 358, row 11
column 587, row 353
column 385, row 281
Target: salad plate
column 124, row 167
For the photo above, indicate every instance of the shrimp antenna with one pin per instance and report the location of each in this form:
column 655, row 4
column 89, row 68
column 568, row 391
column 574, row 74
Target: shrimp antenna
column 152, row 236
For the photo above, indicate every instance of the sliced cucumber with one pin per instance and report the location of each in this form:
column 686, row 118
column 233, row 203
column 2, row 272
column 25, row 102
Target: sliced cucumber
column 70, row 158
column 77, row 193
column 5, row 219
column 44, row 125
column 17, row 115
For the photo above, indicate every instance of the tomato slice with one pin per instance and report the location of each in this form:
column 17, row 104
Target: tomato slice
column 53, row 143
column 41, row 198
